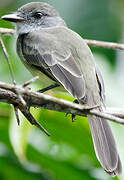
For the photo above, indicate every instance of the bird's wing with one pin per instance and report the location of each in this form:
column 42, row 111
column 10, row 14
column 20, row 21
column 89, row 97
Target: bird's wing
column 68, row 74
column 101, row 85
column 58, row 66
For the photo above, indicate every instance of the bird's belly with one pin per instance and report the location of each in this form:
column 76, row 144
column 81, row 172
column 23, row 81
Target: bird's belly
column 45, row 80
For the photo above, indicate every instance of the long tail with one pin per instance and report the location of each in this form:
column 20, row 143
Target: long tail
column 104, row 145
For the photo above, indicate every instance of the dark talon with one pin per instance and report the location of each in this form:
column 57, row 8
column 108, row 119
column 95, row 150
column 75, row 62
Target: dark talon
column 76, row 101
column 73, row 115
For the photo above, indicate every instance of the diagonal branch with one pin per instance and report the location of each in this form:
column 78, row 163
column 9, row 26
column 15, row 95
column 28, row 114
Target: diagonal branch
column 35, row 99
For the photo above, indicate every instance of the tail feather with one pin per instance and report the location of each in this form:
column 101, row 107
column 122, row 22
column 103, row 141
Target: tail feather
column 118, row 170
column 104, row 145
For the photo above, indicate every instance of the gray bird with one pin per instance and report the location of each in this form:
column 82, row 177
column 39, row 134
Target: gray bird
column 59, row 56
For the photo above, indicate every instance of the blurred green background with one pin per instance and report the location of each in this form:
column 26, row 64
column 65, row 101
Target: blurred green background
column 25, row 152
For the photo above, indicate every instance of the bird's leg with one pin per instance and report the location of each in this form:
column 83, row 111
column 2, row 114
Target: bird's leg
column 48, row 88
column 73, row 115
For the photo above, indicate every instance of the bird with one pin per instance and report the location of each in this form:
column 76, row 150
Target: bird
column 61, row 57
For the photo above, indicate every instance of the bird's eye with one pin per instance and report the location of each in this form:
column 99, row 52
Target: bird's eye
column 38, row 15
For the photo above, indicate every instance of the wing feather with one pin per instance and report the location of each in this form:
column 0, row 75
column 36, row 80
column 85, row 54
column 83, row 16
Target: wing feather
column 72, row 83
column 101, row 85
column 61, row 67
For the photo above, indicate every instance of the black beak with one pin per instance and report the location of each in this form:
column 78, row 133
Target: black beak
column 13, row 18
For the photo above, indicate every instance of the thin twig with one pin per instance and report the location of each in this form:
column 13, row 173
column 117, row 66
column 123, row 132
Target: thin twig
column 107, row 116
column 32, row 120
column 27, row 83
column 103, row 44
column 11, row 70
column 118, row 112
column 8, row 61
column 7, row 31
column 17, row 115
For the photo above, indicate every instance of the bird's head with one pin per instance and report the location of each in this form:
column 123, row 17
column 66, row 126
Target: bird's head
column 34, row 16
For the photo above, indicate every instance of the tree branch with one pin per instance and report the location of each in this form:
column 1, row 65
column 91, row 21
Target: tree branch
column 35, row 99
column 103, row 44
column 7, row 31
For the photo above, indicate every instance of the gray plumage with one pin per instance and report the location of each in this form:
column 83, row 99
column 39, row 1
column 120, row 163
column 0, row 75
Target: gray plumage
column 59, row 55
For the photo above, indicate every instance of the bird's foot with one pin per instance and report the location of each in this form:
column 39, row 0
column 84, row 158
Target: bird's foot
column 73, row 116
